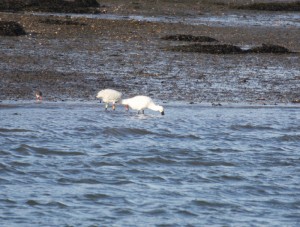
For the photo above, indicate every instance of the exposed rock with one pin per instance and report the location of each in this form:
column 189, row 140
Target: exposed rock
column 189, row 38
column 11, row 28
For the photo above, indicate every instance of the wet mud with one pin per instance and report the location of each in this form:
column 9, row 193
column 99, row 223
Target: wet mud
column 72, row 58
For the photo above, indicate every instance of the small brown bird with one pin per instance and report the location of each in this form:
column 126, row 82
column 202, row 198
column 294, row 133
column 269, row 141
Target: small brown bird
column 38, row 95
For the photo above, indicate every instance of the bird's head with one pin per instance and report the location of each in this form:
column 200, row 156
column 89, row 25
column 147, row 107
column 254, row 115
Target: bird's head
column 161, row 110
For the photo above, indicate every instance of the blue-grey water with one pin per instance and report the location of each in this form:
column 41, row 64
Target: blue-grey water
column 73, row 164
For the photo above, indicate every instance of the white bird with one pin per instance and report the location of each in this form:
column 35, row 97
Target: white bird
column 109, row 96
column 141, row 103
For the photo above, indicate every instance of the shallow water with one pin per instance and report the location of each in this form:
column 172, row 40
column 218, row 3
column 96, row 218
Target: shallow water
column 260, row 19
column 73, row 164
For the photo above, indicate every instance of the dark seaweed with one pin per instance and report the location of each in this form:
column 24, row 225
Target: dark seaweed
column 60, row 6
column 269, row 48
column 209, row 49
column 61, row 22
column 11, row 28
column 189, row 38
column 229, row 49
column 276, row 6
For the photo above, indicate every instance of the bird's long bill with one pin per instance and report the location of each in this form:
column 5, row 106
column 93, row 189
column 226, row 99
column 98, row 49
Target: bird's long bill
column 163, row 113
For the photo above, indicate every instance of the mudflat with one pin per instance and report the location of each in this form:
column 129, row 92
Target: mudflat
column 120, row 45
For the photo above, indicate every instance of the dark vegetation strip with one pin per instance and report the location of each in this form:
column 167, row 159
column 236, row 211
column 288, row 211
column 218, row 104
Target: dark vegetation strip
column 189, row 38
column 275, row 6
column 59, row 6
column 228, row 49
column 60, row 22
column 11, row 28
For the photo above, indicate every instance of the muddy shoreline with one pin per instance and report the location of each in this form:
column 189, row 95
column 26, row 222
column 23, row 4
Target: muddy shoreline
column 71, row 58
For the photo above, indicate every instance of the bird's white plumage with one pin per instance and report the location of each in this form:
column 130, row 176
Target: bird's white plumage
column 109, row 96
column 141, row 103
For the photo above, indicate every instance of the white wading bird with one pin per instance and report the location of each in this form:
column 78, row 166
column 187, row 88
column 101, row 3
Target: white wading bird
column 141, row 103
column 109, row 96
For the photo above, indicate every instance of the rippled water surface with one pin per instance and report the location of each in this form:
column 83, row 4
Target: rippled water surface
column 73, row 164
